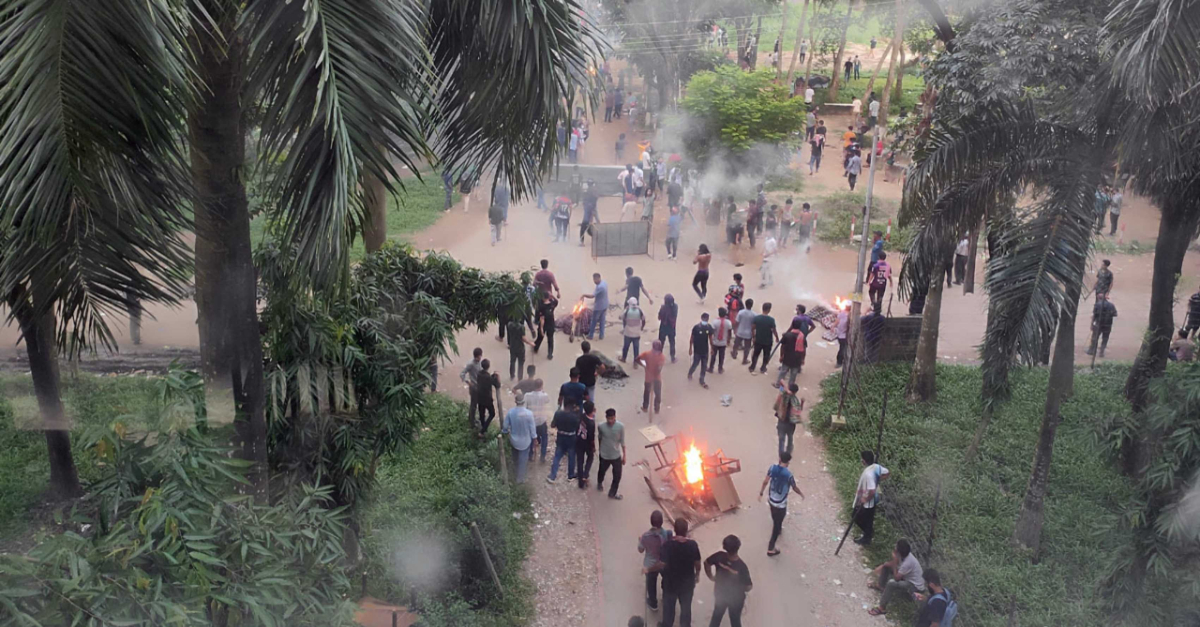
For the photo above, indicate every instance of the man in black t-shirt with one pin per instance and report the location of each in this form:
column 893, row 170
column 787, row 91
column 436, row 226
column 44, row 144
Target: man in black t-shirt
column 933, row 612
column 732, row 578
column 516, row 350
column 765, row 337
column 682, row 557
column 589, row 367
column 698, row 347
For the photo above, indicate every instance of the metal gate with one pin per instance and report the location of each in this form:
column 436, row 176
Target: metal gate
column 621, row 238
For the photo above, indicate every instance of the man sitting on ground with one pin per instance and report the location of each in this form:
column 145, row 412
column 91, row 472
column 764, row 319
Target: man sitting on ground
column 939, row 609
column 900, row 576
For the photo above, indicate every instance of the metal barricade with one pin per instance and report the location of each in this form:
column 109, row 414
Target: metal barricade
column 621, row 238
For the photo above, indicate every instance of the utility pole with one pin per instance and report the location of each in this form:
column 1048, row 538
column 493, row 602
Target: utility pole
column 856, row 297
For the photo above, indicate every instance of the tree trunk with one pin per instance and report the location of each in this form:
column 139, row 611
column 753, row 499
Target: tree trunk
column 133, row 307
column 375, row 206
column 898, row 90
column 837, row 59
column 38, row 335
column 922, row 386
column 972, row 254
column 757, row 45
column 1028, row 532
column 782, row 29
column 812, row 46
column 878, row 67
column 791, row 74
column 1176, row 228
column 230, row 346
column 897, row 43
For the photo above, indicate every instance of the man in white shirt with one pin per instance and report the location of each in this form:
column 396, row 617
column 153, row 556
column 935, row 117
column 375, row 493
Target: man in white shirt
column 856, row 109
column 961, row 252
column 770, row 247
column 866, row 497
column 874, row 110
column 538, row 403
column 808, row 95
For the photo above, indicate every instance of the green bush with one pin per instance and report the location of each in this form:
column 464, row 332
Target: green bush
column 912, row 88
column 923, row 446
column 839, row 208
column 416, row 527
column 731, row 111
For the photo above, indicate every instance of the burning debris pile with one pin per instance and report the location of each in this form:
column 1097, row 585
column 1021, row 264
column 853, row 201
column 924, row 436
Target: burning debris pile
column 691, row 485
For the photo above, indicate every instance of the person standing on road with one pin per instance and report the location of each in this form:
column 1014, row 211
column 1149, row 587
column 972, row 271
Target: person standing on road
column 857, row 66
column 470, row 376
column 698, row 347
column 650, row 545
column 496, row 221
column 873, row 109
column 843, row 328
column 743, row 335
column 682, row 557
column 566, row 421
column 866, row 497
column 961, row 252
column 1103, row 313
column 853, row 169
column 538, row 403
column 792, row 348
column 544, row 321
column 633, row 322
column 611, row 435
column 808, row 222
column 610, row 100
column 485, row 398
column 585, row 444
column 848, row 66
column 599, row 306
column 787, row 416
column 522, row 435
column 700, row 281
column 1104, row 279
column 782, row 482
column 732, row 582
column 635, row 288
column 1114, row 210
column 722, row 332
column 653, row 360
column 766, row 274
column 674, row 226
column 879, row 277
column 516, row 350
column 589, row 366
column 810, row 124
column 668, row 316
column 765, row 337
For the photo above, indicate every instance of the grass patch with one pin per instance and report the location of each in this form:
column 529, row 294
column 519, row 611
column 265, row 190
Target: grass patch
column 416, row 207
column 839, row 208
column 90, row 401
column 415, row 527
column 1134, row 247
column 923, row 447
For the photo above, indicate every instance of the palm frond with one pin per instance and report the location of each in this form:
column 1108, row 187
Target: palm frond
column 1154, row 46
column 507, row 75
column 92, row 179
column 343, row 87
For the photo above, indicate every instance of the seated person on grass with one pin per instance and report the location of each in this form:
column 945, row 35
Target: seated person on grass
column 900, row 576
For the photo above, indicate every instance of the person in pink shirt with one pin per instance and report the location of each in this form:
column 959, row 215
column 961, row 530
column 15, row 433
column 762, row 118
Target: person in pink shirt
column 880, row 277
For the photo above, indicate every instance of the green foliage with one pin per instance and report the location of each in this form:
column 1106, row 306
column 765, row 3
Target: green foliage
column 912, row 89
column 923, row 446
column 730, row 111
column 1153, row 572
column 835, row 212
column 164, row 542
column 692, row 62
column 416, row 530
column 374, row 345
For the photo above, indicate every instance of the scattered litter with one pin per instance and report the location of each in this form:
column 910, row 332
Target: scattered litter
column 535, row 515
column 726, row 400
column 853, row 595
column 837, row 582
column 517, row 515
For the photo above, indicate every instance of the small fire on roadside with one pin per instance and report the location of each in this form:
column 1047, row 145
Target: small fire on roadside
column 840, row 303
column 693, row 466
column 578, row 309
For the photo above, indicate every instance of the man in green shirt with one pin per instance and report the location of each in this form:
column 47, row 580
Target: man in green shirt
column 765, row 337
column 611, row 435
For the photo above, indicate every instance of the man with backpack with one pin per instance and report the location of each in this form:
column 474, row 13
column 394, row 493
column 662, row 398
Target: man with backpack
column 939, row 609
column 787, row 411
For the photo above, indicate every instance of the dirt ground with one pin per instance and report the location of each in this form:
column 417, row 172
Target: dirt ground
column 584, row 558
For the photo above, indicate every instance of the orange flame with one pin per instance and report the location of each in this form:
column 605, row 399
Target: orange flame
column 692, row 465
column 840, row 303
column 578, row 309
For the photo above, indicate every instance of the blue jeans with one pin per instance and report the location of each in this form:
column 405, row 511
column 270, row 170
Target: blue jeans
column 786, row 432
column 521, row 462
column 636, row 343
column 563, row 445
column 543, row 434
column 598, row 316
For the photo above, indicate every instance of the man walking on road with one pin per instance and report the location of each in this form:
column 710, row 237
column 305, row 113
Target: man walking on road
column 1103, row 313
column 633, row 322
column 611, row 435
column 722, row 332
column 782, row 482
column 522, row 435
column 653, row 360
column 744, row 332
column 585, row 444
column 682, row 557
column 853, row 169
column 589, row 366
column 787, row 413
column 792, row 349
column 470, row 376
column 651, row 545
column 866, row 497
column 566, row 421
column 698, row 347
column 668, row 316
column 732, row 578
column 1104, row 279
column 765, row 337
column 960, row 260
column 599, row 306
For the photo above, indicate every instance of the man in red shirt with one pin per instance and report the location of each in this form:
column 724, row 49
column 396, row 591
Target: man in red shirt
column 545, row 281
column 653, row 360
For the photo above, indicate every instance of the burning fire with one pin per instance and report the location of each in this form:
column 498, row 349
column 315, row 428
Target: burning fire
column 692, row 465
column 840, row 303
column 578, row 309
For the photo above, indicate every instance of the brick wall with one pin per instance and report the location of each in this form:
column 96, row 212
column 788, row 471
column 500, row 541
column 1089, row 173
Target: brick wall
column 898, row 340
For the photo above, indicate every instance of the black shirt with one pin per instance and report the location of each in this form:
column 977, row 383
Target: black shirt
column 567, row 422
column 587, row 434
column 587, row 364
column 1103, row 313
column 572, row 393
column 788, row 355
column 483, row 387
column 633, row 288
column 681, row 557
column 700, row 334
column 733, row 577
column 933, row 612
column 516, row 333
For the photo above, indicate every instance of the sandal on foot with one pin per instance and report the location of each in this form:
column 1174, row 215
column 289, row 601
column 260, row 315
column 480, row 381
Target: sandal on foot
column 876, row 612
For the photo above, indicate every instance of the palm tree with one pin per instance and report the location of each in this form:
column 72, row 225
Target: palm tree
column 92, row 182
column 336, row 89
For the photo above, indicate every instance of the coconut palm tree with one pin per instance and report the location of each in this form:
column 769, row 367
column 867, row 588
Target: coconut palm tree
column 332, row 89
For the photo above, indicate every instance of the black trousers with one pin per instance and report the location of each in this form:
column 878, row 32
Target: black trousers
column 765, row 351
column 841, row 355
column 865, row 519
column 733, row 606
column 583, row 462
column 1113, row 218
column 617, row 468
column 545, row 332
column 853, row 178
column 516, row 365
column 652, row 579
column 700, row 283
column 960, row 268
column 777, row 516
column 717, row 359
column 682, row 595
column 608, row 114
column 876, row 295
column 487, row 413
column 949, row 273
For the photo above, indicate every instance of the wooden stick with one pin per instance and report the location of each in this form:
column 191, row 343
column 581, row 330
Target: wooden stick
column 487, row 558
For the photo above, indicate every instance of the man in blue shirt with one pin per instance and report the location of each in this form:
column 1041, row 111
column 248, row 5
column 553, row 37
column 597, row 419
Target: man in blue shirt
column 522, row 434
column 782, row 482
column 876, row 248
column 572, row 393
column 599, row 306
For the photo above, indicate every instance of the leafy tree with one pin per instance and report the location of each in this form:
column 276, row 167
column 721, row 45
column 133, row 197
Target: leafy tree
column 730, row 111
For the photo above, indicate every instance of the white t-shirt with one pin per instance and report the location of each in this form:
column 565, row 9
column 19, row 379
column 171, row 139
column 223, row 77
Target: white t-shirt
column 874, row 108
column 723, row 328
column 770, row 247
column 646, row 159
column 638, row 177
column 964, row 248
column 539, row 404
column 808, row 95
column 867, row 481
column 745, row 323
column 856, row 106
